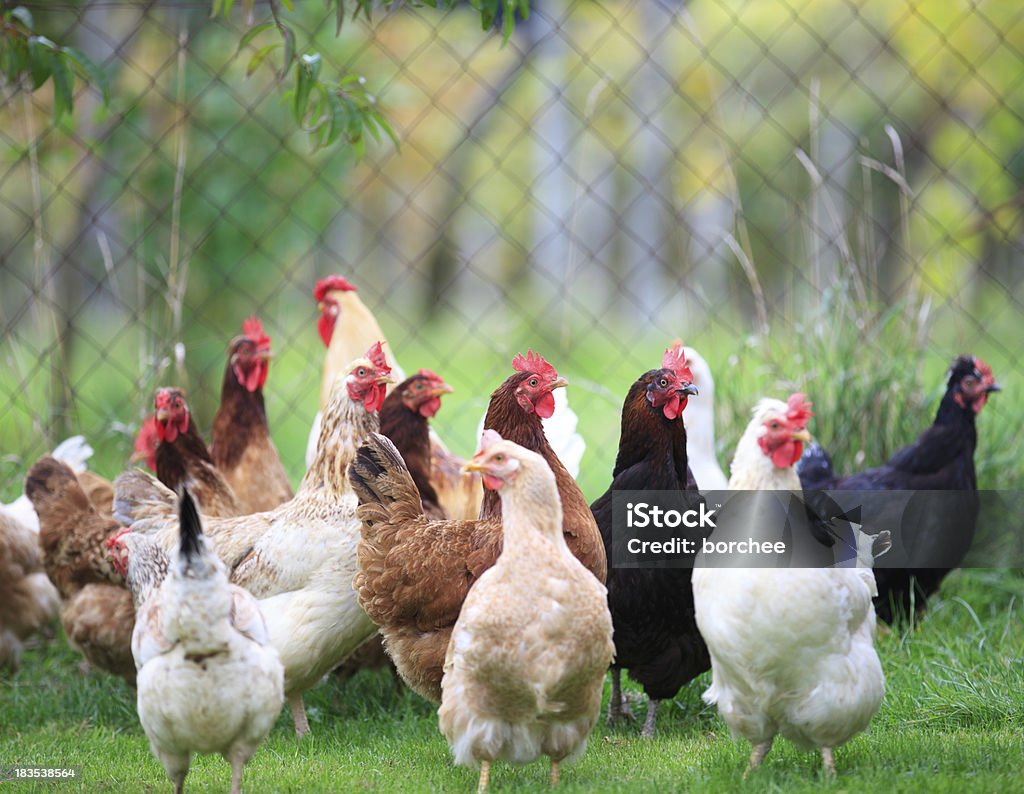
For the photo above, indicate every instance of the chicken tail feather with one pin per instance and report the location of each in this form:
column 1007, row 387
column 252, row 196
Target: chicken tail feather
column 382, row 483
column 191, row 529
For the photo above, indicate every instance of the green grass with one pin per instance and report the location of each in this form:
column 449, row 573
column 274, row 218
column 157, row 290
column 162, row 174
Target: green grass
column 951, row 721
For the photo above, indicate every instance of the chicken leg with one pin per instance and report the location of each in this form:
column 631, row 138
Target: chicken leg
column 652, row 717
column 485, row 777
column 554, row 773
column 618, row 710
column 830, row 764
column 298, row 710
column 757, row 755
column 237, row 761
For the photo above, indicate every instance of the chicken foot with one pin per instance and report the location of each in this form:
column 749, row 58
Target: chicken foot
column 652, row 718
column 485, row 777
column 298, row 710
column 618, row 709
column 554, row 773
column 757, row 755
column 830, row 764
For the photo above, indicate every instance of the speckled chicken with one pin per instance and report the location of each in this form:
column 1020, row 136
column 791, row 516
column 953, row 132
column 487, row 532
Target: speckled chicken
column 209, row 680
column 28, row 600
column 524, row 669
column 300, row 558
column 792, row 649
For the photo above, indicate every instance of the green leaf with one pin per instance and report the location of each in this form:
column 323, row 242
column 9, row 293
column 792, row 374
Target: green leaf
column 303, row 87
column 23, row 15
column 313, row 62
column 288, row 4
column 339, row 17
column 289, row 49
column 40, row 62
column 63, row 85
column 258, row 57
column 252, row 33
column 89, row 72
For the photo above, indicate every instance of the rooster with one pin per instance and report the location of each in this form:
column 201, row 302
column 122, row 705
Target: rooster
column 182, row 457
column 792, row 649
column 98, row 615
column 414, row 573
column 300, row 558
column 28, row 600
column 656, row 638
column 524, row 669
column 241, row 447
column 208, row 679
column 941, row 459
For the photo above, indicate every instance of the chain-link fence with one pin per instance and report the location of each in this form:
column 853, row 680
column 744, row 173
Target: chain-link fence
column 811, row 193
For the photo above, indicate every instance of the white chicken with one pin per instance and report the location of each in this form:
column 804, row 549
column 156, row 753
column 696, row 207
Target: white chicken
column 525, row 665
column 792, row 650
column 300, row 558
column 700, row 427
column 208, row 679
column 73, row 452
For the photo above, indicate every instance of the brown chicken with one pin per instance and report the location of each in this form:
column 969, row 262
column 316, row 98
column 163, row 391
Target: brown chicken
column 98, row 615
column 183, row 459
column 403, row 419
column 241, row 448
column 28, row 600
column 415, row 573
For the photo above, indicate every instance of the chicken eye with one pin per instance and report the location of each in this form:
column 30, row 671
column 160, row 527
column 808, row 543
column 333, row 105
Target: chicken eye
column 361, row 371
column 499, row 457
column 663, row 382
column 969, row 381
column 775, row 425
column 534, row 383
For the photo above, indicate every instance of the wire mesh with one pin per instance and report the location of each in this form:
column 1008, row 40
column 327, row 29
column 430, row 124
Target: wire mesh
column 751, row 177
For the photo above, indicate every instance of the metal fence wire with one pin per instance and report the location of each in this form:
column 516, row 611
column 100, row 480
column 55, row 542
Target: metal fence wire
column 757, row 178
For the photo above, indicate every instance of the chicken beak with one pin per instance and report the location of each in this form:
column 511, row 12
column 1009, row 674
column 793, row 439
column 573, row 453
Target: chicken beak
column 689, row 389
column 137, row 457
column 472, row 465
column 993, row 387
column 802, row 435
column 162, row 414
column 559, row 383
column 441, row 388
column 385, row 378
column 265, row 355
column 320, row 307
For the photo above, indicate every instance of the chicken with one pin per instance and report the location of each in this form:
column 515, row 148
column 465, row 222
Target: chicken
column 300, row 558
column 209, row 680
column 98, row 615
column 656, row 637
column 182, row 458
column 792, row 649
column 28, row 600
column 414, row 573
column 74, row 452
column 524, row 669
column 942, row 459
column 346, row 326
column 700, row 427
column 146, row 443
column 241, row 447
column 403, row 419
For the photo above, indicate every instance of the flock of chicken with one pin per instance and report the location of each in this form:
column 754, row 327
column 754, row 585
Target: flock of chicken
column 220, row 593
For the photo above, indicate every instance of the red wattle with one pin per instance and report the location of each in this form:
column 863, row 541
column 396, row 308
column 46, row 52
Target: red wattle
column 545, row 405
column 787, row 454
column 374, row 399
column 430, row 407
column 673, row 407
column 325, row 326
column 492, row 483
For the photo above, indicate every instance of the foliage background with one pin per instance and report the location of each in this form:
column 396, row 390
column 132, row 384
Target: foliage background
column 817, row 195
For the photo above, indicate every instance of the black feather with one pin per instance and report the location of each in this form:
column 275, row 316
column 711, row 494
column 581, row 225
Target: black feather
column 191, row 529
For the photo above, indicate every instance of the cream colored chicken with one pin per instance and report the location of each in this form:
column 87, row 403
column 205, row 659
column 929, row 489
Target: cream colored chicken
column 700, row 427
column 28, row 600
column 792, row 650
column 209, row 680
column 525, row 665
column 300, row 558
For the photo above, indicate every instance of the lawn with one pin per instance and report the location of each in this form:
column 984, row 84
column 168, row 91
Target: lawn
column 952, row 720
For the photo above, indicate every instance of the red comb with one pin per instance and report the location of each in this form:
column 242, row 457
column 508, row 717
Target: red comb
column 983, row 368
column 162, row 398
column 253, row 330
column 377, row 358
column 535, row 363
column 333, row 283
column 430, row 375
column 799, row 410
column 675, row 360
column 116, row 537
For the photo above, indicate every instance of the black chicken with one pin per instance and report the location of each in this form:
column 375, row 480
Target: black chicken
column 935, row 532
column 656, row 636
